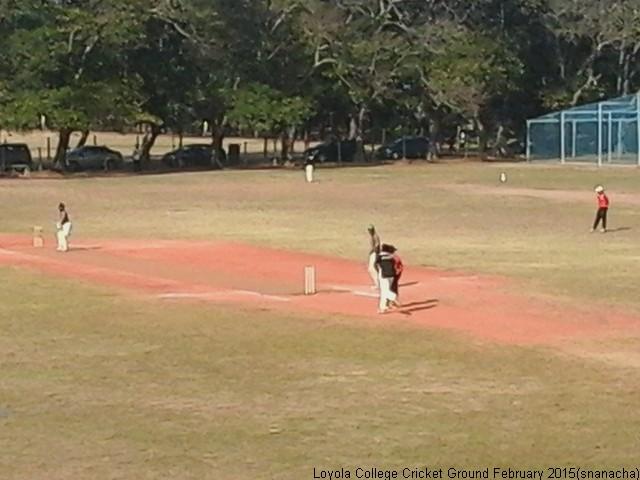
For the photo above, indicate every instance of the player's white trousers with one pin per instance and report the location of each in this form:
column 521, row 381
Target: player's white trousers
column 63, row 237
column 308, row 171
column 386, row 295
column 373, row 272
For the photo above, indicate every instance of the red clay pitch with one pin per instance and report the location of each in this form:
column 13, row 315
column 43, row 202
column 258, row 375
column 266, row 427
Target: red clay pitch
column 485, row 307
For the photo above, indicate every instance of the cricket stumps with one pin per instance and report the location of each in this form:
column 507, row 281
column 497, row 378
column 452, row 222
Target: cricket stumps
column 38, row 237
column 309, row 280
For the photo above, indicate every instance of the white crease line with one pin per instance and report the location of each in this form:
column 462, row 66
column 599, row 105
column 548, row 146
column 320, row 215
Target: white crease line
column 359, row 293
column 262, row 295
column 224, row 293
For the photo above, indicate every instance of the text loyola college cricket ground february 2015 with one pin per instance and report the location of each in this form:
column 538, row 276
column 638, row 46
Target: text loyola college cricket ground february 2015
column 493, row 473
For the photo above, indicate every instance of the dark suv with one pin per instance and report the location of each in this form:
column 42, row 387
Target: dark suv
column 405, row 147
column 334, row 151
column 14, row 156
column 196, row 155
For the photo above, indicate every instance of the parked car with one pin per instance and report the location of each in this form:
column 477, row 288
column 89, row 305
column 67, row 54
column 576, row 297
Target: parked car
column 14, row 156
column 93, row 158
column 196, row 155
column 405, row 147
column 333, row 151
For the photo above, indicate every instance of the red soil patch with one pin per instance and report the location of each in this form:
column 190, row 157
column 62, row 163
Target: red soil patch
column 233, row 273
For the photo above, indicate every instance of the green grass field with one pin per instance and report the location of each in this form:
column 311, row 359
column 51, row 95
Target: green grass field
column 95, row 385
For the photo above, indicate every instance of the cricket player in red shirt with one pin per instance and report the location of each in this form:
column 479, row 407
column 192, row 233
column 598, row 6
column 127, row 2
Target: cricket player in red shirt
column 398, row 267
column 603, row 209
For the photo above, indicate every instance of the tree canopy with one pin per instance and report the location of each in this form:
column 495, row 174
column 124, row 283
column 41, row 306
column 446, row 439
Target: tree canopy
column 347, row 67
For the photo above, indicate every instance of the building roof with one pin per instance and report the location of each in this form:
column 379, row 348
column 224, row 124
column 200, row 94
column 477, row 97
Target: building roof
column 621, row 108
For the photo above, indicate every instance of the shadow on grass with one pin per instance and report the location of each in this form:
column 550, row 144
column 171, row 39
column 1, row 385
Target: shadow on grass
column 411, row 308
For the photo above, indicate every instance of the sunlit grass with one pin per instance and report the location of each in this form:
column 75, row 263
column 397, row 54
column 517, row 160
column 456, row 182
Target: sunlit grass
column 542, row 243
column 96, row 386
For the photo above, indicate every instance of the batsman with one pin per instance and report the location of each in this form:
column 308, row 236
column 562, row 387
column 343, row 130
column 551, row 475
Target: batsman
column 63, row 227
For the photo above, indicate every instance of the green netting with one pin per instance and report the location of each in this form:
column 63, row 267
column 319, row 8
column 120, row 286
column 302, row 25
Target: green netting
column 604, row 132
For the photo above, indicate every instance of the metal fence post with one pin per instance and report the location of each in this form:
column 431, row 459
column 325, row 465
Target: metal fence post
column 638, row 127
column 528, row 140
column 600, row 134
column 562, row 139
column 609, row 137
column 619, row 149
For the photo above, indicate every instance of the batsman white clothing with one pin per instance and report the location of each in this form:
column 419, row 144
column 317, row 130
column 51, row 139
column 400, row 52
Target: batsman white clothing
column 384, row 261
column 386, row 295
column 308, row 170
column 63, row 234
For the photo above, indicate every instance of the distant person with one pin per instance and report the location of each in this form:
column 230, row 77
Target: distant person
column 374, row 250
column 386, row 274
column 603, row 209
column 309, row 167
column 463, row 140
column 63, row 228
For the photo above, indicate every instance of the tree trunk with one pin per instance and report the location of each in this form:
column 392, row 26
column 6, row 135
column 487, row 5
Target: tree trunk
column 148, row 142
column 626, row 83
column 217, row 141
column 622, row 55
column 63, row 144
column 499, row 143
column 355, row 133
column 482, row 136
column 434, row 136
column 83, row 138
column 353, row 128
column 287, row 138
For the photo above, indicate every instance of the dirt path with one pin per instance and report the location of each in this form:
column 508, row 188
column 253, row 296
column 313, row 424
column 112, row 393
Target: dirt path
column 553, row 195
column 481, row 306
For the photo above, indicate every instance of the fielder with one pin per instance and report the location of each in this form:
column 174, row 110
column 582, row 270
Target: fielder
column 374, row 250
column 309, row 167
column 398, row 268
column 603, row 209
column 63, row 227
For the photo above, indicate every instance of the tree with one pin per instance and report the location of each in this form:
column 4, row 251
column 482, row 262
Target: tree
column 65, row 60
column 264, row 109
column 166, row 61
column 172, row 64
column 470, row 71
column 596, row 47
